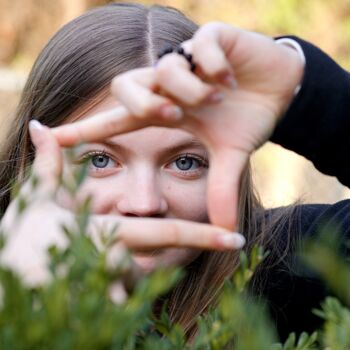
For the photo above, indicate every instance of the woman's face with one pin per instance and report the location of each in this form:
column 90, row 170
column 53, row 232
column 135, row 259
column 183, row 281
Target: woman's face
column 153, row 172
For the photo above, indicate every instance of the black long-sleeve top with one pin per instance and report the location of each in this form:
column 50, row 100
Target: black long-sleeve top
column 316, row 125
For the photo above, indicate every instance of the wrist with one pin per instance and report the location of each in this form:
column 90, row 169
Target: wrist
column 296, row 68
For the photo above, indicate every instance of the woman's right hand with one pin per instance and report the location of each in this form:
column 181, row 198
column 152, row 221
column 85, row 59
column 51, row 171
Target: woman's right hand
column 40, row 225
column 256, row 78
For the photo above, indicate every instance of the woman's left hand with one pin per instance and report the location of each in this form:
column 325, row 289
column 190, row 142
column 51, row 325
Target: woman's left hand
column 29, row 235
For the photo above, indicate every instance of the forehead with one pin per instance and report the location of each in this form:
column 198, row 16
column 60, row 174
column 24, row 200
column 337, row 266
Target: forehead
column 157, row 137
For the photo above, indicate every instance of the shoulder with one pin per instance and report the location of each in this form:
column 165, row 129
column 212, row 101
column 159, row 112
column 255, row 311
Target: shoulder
column 291, row 289
column 307, row 219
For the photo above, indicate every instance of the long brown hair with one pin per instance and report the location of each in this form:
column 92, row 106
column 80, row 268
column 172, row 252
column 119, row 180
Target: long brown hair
column 74, row 70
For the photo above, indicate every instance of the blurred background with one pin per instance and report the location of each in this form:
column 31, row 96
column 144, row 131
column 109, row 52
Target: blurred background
column 281, row 177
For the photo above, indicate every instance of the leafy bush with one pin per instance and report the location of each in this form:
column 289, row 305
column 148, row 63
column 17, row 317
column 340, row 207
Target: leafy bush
column 74, row 311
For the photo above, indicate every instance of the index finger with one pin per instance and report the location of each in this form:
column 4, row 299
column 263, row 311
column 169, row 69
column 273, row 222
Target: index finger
column 148, row 233
column 97, row 127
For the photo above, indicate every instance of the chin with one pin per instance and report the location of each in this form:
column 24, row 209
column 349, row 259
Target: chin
column 148, row 261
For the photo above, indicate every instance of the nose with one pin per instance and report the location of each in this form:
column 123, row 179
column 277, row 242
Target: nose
column 142, row 197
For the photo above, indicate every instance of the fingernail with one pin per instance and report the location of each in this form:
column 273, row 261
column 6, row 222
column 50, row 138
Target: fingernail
column 35, row 124
column 232, row 240
column 172, row 113
column 35, row 129
column 215, row 97
column 229, row 81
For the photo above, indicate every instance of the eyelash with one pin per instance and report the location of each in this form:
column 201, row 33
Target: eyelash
column 202, row 162
column 89, row 155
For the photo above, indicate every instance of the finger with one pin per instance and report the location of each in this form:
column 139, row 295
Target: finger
column 97, row 127
column 225, row 172
column 110, row 123
column 146, row 233
column 28, row 241
column 188, row 48
column 210, row 46
column 47, row 165
column 177, row 81
column 143, row 84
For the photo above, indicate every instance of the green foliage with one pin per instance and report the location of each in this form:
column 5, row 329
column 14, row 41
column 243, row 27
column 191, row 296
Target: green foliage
column 74, row 309
column 324, row 256
column 247, row 267
column 337, row 324
column 305, row 342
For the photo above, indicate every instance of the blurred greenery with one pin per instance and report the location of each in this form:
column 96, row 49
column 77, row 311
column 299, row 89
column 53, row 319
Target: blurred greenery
column 74, row 309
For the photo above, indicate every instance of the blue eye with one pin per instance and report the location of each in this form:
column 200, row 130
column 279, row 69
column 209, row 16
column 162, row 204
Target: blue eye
column 186, row 163
column 100, row 161
column 189, row 164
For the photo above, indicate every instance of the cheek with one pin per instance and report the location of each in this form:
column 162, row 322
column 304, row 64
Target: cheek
column 187, row 200
column 103, row 192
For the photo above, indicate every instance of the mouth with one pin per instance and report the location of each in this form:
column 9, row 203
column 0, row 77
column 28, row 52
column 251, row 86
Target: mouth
column 147, row 260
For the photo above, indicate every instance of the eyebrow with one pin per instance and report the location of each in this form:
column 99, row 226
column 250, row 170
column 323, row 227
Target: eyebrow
column 176, row 147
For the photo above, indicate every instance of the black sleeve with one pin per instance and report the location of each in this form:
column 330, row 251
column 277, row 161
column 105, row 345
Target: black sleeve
column 317, row 123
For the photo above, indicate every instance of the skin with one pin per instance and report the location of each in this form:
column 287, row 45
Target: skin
column 245, row 67
column 256, row 79
column 138, row 174
column 29, row 236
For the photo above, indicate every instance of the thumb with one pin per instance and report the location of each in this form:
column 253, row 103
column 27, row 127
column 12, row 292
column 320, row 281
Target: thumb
column 226, row 167
column 47, row 166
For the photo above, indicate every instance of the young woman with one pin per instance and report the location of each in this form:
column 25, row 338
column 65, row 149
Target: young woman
column 157, row 172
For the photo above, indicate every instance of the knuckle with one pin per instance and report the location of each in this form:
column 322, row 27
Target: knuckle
column 174, row 234
column 163, row 69
column 166, row 66
column 117, row 83
column 204, row 95
column 205, row 238
column 200, row 95
column 144, row 108
column 112, row 124
column 194, row 100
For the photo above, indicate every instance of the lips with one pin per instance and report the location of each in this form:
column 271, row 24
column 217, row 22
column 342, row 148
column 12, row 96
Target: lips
column 147, row 263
